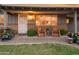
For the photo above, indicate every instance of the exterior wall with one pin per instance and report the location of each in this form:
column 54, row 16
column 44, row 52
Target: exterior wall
column 62, row 22
column 1, row 22
column 63, row 25
column 71, row 25
column 31, row 24
column 78, row 25
column 13, row 25
column 1, row 26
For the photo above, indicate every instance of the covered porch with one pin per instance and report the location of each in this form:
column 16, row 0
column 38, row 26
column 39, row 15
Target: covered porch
column 31, row 17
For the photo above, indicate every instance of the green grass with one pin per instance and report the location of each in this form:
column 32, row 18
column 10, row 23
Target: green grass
column 38, row 49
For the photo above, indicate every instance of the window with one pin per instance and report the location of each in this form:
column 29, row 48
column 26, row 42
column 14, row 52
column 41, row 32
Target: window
column 46, row 20
column 12, row 19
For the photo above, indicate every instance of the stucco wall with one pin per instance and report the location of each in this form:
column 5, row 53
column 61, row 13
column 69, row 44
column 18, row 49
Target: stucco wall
column 71, row 25
column 62, row 22
column 78, row 25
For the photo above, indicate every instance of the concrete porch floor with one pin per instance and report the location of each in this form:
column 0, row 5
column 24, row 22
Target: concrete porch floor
column 23, row 39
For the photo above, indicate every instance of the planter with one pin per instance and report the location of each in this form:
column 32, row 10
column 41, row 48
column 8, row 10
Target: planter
column 77, row 42
column 75, row 38
column 4, row 39
column 6, row 36
column 70, row 40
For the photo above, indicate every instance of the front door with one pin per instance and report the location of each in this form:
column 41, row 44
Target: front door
column 22, row 24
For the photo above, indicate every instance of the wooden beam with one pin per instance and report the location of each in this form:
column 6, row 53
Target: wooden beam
column 40, row 12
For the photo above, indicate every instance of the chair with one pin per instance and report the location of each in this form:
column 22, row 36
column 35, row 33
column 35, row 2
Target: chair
column 55, row 31
column 40, row 31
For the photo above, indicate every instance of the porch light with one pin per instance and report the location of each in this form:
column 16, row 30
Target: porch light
column 30, row 17
column 30, row 11
column 67, row 21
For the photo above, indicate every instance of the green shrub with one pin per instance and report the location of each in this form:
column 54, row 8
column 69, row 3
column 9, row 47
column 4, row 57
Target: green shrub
column 1, row 32
column 63, row 31
column 31, row 32
column 12, row 31
column 7, row 32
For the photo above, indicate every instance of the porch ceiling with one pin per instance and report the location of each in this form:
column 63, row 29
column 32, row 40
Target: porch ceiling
column 37, row 12
column 38, row 7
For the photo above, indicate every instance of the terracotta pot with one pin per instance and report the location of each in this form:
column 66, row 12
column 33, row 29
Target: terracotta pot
column 77, row 42
column 70, row 41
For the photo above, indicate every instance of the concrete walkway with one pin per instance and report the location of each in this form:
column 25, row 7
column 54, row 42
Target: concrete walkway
column 19, row 39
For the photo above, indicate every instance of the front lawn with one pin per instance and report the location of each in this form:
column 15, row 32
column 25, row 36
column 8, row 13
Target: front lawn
column 38, row 49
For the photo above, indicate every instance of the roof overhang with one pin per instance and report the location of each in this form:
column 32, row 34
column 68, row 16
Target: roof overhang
column 35, row 7
column 51, row 8
column 45, row 5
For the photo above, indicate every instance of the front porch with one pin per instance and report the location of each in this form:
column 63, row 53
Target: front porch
column 21, row 19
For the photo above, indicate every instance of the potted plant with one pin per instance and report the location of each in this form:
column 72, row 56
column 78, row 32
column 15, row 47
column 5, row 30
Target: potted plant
column 6, row 36
column 11, row 31
column 75, row 38
column 1, row 32
column 63, row 31
column 77, row 41
column 70, row 39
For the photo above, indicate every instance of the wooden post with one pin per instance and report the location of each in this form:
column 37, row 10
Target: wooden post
column 75, row 21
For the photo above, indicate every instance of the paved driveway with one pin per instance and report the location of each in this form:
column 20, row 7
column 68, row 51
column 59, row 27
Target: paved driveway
column 23, row 39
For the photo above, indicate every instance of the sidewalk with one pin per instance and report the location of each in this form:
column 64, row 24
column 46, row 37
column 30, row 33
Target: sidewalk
column 37, row 40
